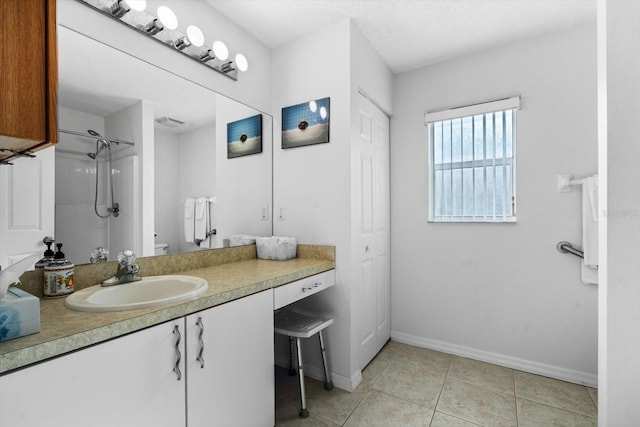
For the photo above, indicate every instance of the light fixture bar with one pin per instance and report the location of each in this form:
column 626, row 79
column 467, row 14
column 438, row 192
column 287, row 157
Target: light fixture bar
column 152, row 26
column 119, row 8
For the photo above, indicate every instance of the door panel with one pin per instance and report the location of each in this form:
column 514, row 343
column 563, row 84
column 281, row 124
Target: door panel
column 382, row 228
column 27, row 202
column 232, row 382
column 128, row 381
column 373, row 234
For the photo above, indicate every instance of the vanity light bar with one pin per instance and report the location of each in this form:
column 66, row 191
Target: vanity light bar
column 188, row 43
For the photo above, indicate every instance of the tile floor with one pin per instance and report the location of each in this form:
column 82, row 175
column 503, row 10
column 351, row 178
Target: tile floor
column 411, row 386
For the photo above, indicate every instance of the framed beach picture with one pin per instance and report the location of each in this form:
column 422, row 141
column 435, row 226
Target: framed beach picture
column 244, row 137
column 305, row 124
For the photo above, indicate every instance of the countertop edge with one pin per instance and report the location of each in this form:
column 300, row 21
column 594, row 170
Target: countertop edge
column 21, row 358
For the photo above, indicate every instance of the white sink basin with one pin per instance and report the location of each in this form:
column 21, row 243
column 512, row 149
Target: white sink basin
column 148, row 292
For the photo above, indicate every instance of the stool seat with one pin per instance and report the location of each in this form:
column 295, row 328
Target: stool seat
column 294, row 324
column 297, row 325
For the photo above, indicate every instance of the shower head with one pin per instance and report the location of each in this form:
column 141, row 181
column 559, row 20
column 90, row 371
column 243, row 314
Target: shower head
column 93, row 132
column 101, row 144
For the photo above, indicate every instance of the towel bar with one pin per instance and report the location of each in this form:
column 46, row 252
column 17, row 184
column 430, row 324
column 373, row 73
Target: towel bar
column 567, row 248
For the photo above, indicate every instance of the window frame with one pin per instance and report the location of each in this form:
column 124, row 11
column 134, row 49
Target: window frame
column 509, row 105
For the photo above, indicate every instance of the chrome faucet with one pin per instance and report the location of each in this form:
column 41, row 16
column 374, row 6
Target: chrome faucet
column 127, row 270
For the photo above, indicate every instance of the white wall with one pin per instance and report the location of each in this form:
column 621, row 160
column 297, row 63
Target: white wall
column 620, row 296
column 124, row 229
column 450, row 288
column 312, row 182
column 252, row 87
column 135, row 124
column 168, row 208
column 244, row 183
column 197, row 165
column 369, row 74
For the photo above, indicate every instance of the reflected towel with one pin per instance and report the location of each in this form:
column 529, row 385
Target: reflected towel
column 240, row 240
column 189, row 211
column 589, row 275
column 590, row 229
column 201, row 219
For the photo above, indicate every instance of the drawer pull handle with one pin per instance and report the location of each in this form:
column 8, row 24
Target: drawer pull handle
column 200, row 358
column 311, row 287
column 176, row 367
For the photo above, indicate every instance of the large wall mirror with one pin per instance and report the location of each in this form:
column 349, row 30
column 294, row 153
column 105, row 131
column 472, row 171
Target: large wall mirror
column 143, row 162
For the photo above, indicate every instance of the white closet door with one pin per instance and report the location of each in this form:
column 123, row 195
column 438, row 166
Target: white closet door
column 382, row 226
column 371, row 220
column 27, row 206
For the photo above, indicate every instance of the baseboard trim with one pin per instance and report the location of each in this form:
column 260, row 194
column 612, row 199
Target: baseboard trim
column 563, row 374
column 317, row 373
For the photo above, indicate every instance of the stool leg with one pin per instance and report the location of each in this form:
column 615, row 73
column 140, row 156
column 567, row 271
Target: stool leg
column 292, row 371
column 328, row 385
column 303, row 400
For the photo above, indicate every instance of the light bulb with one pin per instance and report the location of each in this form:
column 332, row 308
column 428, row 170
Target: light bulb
column 138, row 5
column 220, row 50
column 167, row 17
column 195, row 35
column 313, row 106
column 242, row 63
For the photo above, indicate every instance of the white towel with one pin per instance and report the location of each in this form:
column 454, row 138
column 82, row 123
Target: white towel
column 240, row 240
column 276, row 248
column 202, row 218
column 589, row 275
column 189, row 210
column 590, row 229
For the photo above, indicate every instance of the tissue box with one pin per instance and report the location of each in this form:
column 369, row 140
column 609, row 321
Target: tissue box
column 19, row 314
column 276, row 248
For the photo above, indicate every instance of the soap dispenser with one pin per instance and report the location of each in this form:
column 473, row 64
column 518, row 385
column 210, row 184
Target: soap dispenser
column 48, row 254
column 58, row 276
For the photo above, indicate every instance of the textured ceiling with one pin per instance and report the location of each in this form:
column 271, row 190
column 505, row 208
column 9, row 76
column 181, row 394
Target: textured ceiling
column 408, row 34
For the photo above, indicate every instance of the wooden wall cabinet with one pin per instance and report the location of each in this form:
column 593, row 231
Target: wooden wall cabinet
column 28, row 76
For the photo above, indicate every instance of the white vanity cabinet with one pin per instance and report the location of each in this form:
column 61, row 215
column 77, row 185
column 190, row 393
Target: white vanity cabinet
column 128, row 381
column 154, row 377
column 230, row 380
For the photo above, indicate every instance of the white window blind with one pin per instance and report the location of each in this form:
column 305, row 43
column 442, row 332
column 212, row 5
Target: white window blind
column 472, row 162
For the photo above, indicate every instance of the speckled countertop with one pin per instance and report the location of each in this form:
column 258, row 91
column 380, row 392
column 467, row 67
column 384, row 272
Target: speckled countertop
column 232, row 273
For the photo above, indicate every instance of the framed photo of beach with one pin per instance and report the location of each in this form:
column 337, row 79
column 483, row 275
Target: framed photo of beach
column 305, row 124
column 244, row 137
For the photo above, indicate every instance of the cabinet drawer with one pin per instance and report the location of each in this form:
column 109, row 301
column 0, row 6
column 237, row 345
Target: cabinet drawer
column 294, row 291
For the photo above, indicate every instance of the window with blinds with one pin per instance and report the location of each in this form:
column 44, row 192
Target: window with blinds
column 472, row 162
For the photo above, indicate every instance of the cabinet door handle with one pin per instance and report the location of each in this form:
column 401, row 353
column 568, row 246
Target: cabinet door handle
column 200, row 358
column 176, row 367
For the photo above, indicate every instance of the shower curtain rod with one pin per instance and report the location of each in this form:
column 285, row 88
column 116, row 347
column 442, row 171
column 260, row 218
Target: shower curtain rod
column 87, row 135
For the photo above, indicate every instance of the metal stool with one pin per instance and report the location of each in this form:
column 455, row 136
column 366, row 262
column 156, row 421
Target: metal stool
column 296, row 325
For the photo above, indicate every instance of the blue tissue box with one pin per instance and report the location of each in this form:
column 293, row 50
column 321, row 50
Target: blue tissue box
column 19, row 314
